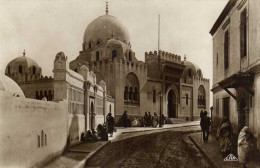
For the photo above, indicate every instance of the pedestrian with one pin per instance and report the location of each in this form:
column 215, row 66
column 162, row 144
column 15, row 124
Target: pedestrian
column 224, row 135
column 201, row 114
column 110, row 124
column 89, row 137
column 150, row 119
column 102, row 133
column 155, row 120
column 163, row 119
column 145, row 119
column 94, row 135
column 245, row 146
column 125, row 119
column 205, row 124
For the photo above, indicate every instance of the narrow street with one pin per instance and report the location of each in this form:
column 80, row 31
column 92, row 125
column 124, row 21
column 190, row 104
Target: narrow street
column 171, row 148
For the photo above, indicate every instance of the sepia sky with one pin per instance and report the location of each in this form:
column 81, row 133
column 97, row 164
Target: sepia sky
column 43, row 28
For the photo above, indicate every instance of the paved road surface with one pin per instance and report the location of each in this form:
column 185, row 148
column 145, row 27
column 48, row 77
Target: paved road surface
column 161, row 149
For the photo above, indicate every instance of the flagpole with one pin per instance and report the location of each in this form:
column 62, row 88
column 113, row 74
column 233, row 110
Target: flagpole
column 158, row 34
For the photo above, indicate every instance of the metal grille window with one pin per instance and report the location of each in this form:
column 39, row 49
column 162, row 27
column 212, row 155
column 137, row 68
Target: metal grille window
column 217, row 107
column 225, row 108
column 226, row 50
column 243, row 34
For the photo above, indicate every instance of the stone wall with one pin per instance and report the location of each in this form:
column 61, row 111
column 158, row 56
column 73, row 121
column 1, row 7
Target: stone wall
column 35, row 131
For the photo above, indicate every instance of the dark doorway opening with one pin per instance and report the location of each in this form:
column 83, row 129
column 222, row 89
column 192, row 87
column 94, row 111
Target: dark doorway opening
column 172, row 107
column 92, row 116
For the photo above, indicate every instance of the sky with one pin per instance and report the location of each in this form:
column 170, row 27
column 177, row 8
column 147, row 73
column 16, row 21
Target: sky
column 45, row 27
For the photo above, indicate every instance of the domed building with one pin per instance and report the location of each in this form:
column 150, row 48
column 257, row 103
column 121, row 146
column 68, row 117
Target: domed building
column 28, row 75
column 162, row 83
column 138, row 86
column 195, row 94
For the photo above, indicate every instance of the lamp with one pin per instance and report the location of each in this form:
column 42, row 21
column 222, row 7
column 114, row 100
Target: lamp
column 160, row 119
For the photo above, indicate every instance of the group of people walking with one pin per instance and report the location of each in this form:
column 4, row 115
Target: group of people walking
column 224, row 136
column 244, row 142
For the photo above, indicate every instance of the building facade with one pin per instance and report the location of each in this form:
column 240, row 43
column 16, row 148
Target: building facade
column 163, row 80
column 236, row 56
column 88, row 102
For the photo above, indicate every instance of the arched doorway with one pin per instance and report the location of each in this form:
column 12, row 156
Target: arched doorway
column 92, row 116
column 172, row 104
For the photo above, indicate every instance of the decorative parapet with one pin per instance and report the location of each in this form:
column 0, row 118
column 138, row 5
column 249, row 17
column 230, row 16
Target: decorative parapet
column 164, row 56
column 29, row 78
column 138, row 65
column 201, row 79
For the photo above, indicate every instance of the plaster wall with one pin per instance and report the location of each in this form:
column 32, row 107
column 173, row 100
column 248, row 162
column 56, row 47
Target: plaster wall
column 25, row 120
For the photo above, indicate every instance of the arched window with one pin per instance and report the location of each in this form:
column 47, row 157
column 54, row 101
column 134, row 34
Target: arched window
column 41, row 96
column 190, row 73
column 114, row 54
column 20, row 69
column 97, row 56
column 42, row 134
column 130, row 56
column 126, row 93
column 37, row 95
column 98, row 42
column 45, row 136
column 131, row 93
column 110, row 108
column 89, row 45
column 49, row 96
column 201, row 96
column 187, row 99
column 34, row 70
column 39, row 141
column 154, row 96
column 45, row 94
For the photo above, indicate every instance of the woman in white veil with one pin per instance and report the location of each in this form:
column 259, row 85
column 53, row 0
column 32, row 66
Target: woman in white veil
column 245, row 146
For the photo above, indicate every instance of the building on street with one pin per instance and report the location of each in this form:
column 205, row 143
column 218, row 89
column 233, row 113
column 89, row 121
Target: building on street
column 236, row 75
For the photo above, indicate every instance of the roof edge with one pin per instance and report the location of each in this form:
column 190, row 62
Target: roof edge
column 223, row 14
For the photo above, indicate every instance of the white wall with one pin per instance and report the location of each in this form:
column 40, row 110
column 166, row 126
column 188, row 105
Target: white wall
column 21, row 121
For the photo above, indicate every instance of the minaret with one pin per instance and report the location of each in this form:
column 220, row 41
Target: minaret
column 24, row 53
column 185, row 57
column 106, row 8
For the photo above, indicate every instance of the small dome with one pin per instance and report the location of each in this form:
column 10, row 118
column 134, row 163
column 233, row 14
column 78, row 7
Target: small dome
column 104, row 28
column 191, row 69
column 60, row 55
column 8, row 85
column 22, row 63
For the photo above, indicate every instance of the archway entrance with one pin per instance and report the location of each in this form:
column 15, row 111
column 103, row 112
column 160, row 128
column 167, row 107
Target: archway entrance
column 92, row 116
column 172, row 106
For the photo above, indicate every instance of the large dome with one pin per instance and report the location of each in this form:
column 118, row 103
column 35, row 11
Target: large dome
column 8, row 85
column 104, row 28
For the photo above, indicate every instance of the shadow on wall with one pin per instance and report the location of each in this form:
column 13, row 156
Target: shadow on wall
column 73, row 137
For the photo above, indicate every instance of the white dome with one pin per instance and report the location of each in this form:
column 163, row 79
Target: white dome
column 104, row 28
column 8, row 85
